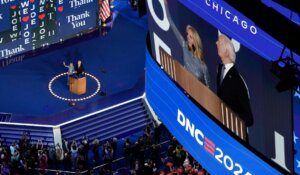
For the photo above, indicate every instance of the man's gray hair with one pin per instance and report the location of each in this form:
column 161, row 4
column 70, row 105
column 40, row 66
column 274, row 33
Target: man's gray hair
column 229, row 47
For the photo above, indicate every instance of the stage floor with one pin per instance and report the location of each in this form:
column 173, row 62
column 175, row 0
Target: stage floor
column 115, row 60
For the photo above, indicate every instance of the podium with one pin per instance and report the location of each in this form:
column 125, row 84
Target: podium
column 77, row 85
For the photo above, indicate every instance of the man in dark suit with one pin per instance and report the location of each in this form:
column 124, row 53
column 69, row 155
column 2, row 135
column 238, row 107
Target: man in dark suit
column 231, row 87
column 79, row 69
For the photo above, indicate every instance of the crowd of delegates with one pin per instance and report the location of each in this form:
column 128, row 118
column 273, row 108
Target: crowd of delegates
column 144, row 156
column 22, row 157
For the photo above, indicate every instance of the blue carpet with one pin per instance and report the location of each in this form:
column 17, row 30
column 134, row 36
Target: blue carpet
column 116, row 59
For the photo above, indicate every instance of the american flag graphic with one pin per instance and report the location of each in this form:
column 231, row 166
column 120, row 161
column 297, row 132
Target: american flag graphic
column 104, row 10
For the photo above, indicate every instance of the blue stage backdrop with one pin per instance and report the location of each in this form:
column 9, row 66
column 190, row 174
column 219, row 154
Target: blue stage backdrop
column 27, row 25
column 272, row 131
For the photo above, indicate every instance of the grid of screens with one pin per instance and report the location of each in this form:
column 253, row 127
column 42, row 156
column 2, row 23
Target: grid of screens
column 27, row 25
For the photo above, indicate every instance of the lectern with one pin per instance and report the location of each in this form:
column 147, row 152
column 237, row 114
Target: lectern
column 77, row 85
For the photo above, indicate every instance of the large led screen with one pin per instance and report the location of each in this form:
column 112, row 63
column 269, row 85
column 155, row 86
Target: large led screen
column 267, row 113
column 27, row 25
column 207, row 142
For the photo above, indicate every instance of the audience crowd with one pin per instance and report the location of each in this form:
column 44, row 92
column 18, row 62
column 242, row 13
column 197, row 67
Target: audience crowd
column 145, row 155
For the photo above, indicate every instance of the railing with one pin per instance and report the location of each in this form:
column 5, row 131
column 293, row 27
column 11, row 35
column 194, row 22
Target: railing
column 203, row 95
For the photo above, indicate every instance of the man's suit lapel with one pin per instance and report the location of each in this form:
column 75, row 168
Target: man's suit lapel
column 229, row 75
column 219, row 75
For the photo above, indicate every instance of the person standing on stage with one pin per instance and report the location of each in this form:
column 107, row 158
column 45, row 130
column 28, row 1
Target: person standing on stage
column 79, row 69
column 71, row 70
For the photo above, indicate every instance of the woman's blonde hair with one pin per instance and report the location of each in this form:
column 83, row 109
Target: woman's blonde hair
column 198, row 50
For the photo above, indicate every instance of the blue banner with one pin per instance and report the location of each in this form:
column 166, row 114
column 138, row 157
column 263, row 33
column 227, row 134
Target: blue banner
column 209, row 144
